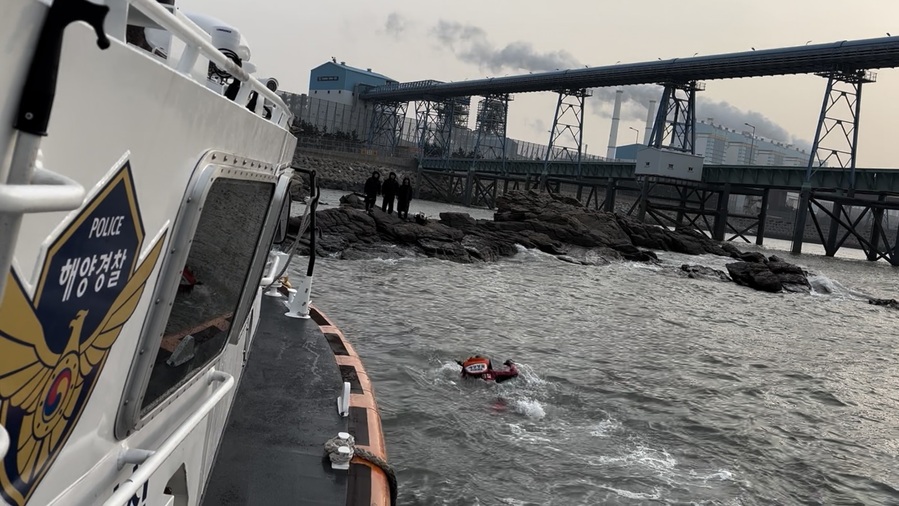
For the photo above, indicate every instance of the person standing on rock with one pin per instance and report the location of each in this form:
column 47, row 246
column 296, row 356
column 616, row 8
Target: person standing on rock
column 403, row 197
column 389, row 190
column 372, row 190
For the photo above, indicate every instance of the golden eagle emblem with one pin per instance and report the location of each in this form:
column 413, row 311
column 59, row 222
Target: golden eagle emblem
column 52, row 349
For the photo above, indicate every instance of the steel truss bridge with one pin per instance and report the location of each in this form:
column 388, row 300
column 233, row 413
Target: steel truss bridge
column 829, row 182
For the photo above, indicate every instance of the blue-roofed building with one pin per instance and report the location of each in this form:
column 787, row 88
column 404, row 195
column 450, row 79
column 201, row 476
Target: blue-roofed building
column 338, row 82
column 628, row 151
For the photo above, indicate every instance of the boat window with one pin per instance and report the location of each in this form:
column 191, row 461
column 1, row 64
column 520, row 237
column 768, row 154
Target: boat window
column 218, row 263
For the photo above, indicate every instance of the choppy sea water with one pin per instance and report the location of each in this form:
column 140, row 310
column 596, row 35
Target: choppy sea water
column 639, row 386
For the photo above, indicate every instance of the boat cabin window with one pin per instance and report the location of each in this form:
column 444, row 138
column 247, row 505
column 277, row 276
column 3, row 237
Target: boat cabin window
column 218, row 264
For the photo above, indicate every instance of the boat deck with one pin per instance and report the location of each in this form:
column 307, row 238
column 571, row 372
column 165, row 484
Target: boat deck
column 284, row 411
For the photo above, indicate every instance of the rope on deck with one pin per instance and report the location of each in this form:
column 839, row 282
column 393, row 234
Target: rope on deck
column 384, row 466
column 333, row 445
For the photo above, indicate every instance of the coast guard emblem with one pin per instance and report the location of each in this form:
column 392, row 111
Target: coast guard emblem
column 53, row 346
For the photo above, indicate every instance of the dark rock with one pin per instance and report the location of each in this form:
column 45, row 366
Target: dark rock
column 775, row 258
column 752, row 256
column 635, row 254
column 352, row 200
column 370, row 251
column 731, row 250
column 781, row 267
column 701, row 271
column 770, row 277
column 462, row 221
column 554, row 224
column 754, row 275
column 890, row 303
column 544, row 243
column 446, row 250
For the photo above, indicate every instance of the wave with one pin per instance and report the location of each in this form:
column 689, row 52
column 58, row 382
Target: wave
column 823, row 285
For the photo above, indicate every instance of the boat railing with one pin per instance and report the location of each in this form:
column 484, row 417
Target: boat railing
column 197, row 43
column 150, row 460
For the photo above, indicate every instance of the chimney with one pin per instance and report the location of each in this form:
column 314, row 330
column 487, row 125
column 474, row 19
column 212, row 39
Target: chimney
column 650, row 119
column 613, row 133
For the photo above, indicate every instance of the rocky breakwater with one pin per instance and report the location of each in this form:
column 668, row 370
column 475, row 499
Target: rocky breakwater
column 560, row 226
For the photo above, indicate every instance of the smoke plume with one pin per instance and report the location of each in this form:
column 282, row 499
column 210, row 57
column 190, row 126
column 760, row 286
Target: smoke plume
column 396, row 24
column 470, row 44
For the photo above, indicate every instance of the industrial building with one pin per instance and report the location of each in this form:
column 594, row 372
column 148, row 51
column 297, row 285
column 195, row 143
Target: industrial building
column 338, row 82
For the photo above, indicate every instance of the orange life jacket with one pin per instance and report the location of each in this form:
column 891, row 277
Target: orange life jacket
column 476, row 365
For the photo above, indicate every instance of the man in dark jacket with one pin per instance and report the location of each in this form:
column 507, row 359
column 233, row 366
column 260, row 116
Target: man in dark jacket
column 403, row 197
column 391, row 186
column 372, row 189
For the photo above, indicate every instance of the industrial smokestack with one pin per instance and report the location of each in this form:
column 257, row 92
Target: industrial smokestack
column 650, row 119
column 613, row 133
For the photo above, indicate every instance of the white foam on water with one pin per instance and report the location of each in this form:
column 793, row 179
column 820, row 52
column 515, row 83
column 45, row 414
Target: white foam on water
column 530, row 408
column 522, row 434
column 643, row 266
column 605, row 428
column 527, row 374
column 655, row 495
column 823, row 285
column 720, row 475
column 641, row 456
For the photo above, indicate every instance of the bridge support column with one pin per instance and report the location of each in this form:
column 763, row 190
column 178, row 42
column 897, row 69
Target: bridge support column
column 611, row 189
column 490, row 143
column 720, row 226
column 763, row 219
column 568, row 122
column 683, row 204
column 840, row 112
column 801, row 212
column 644, row 200
column 830, row 247
column 675, row 123
column 876, row 224
column 386, row 125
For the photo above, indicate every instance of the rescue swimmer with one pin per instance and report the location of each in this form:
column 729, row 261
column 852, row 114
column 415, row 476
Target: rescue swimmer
column 480, row 367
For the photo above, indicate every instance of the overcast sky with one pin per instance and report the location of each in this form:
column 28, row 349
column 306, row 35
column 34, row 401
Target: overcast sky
column 410, row 40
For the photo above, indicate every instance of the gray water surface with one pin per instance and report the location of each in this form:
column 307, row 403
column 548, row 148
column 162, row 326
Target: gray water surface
column 639, row 386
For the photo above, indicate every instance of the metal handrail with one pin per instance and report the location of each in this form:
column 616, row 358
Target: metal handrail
column 156, row 458
column 159, row 14
column 52, row 192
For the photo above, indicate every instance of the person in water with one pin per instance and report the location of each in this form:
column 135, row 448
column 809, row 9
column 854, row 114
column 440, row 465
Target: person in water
column 482, row 368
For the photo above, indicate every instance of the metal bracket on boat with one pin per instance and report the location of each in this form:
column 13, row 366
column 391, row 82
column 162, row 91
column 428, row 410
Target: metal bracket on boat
column 298, row 305
column 278, row 260
column 49, row 191
column 343, row 402
column 132, row 456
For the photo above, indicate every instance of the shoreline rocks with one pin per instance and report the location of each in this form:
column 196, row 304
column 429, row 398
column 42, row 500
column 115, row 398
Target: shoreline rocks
column 556, row 225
